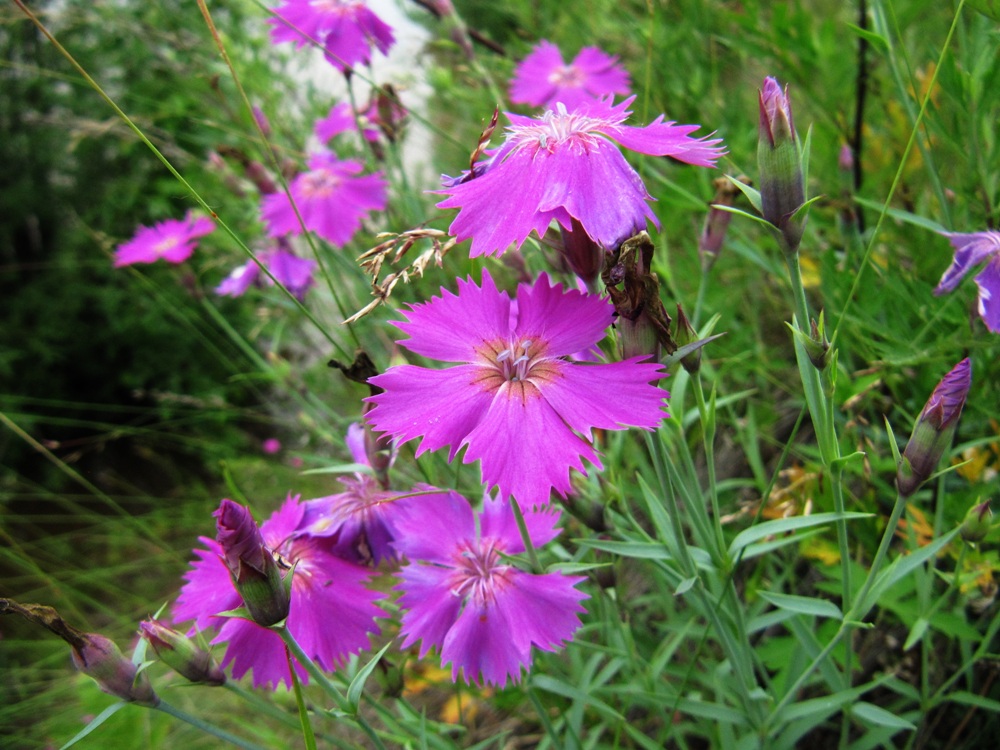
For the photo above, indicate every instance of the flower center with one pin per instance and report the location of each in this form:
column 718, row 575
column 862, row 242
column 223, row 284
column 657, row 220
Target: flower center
column 165, row 245
column 557, row 127
column 514, row 362
column 479, row 574
column 320, row 183
column 567, row 76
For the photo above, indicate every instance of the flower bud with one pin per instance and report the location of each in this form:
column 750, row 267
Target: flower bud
column 98, row 657
column 181, row 654
column 782, row 191
column 583, row 256
column 934, row 429
column 977, row 523
column 251, row 564
column 713, row 233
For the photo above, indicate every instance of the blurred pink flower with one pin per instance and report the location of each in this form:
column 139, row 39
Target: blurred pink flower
column 970, row 250
column 271, row 446
column 520, row 406
column 330, row 197
column 562, row 166
column 347, row 29
column 295, row 274
column 461, row 596
column 543, row 78
column 172, row 240
column 325, row 590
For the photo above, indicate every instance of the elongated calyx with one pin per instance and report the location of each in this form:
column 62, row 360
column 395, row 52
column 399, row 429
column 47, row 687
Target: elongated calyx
column 181, row 654
column 779, row 159
column 251, row 564
column 934, row 429
column 99, row 657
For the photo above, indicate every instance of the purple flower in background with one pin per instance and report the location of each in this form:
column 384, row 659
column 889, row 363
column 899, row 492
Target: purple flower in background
column 341, row 120
column 567, row 165
column 543, row 78
column 347, row 29
column 461, row 597
column 330, row 197
column 172, row 240
column 970, row 250
column 295, row 274
column 517, row 404
column 331, row 611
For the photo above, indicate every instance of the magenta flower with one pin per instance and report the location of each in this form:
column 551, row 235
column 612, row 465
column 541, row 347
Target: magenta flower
column 331, row 611
column 515, row 402
column 567, row 165
column 970, row 250
column 341, row 120
column 347, row 29
column 461, row 597
column 294, row 273
column 331, row 199
column 542, row 79
column 172, row 240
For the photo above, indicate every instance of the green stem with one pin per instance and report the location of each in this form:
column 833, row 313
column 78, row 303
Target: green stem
column 536, row 567
column 307, row 731
column 206, row 727
column 855, row 614
column 328, row 687
column 708, row 438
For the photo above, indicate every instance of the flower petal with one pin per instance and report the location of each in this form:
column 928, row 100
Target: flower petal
column 567, row 320
column 608, row 396
column 988, row 282
column 442, row 406
column 524, row 447
column 970, row 250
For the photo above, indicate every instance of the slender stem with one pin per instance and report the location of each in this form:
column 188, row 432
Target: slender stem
column 856, row 612
column 204, row 726
column 307, row 731
column 328, row 687
column 522, row 527
column 700, row 299
column 708, row 437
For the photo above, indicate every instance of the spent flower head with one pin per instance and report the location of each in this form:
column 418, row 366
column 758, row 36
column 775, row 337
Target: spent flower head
column 566, row 165
column 461, row 596
column 543, row 78
column 514, row 400
column 971, row 250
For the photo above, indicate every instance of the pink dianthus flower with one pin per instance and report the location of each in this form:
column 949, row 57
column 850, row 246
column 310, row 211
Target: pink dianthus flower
column 331, row 611
column 515, row 401
column 330, row 197
column 172, row 240
column 347, row 29
column 567, row 165
column 462, row 597
column 543, row 78
column 294, row 273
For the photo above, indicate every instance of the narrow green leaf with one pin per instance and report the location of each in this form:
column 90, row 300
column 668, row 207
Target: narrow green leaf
column 96, row 722
column 916, row 633
column 869, row 712
column 804, row 605
column 972, row 699
column 643, row 550
column 357, row 685
column 684, row 586
column 784, row 525
column 904, row 566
